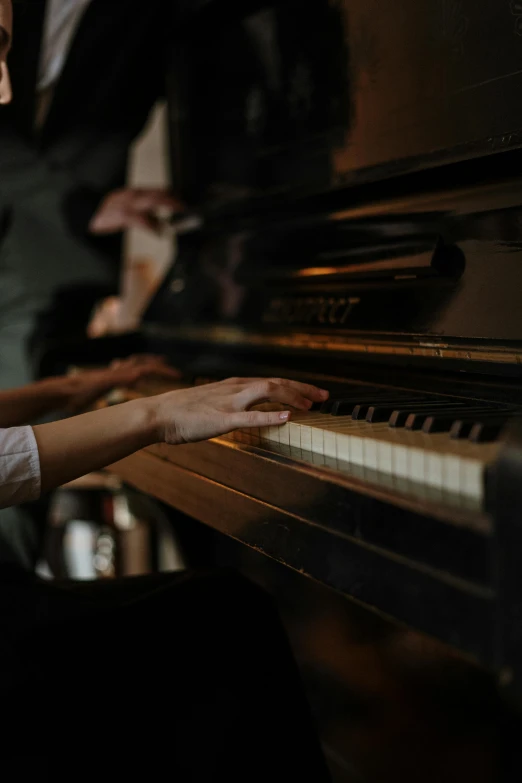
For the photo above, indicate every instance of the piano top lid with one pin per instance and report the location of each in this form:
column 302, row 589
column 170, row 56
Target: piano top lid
column 285, row 99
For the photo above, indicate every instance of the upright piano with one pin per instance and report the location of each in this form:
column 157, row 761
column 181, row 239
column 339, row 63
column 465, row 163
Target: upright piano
column 355, row 168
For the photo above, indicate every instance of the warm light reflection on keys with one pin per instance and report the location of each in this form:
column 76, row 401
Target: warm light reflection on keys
column 436, row 466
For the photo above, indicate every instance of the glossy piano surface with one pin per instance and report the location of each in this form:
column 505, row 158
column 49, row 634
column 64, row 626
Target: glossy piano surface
column 283, row 99
column 391, row 704
column 418, row 279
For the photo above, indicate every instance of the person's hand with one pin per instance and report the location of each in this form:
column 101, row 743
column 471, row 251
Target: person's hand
column 106, row 318
column 85, row 387
column 132, row 208
column 203, row 412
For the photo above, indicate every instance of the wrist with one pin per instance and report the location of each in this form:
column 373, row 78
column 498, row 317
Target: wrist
column 150, row 420
column 55, row 391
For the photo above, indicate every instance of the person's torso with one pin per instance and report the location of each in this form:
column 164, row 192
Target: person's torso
column 112, row 76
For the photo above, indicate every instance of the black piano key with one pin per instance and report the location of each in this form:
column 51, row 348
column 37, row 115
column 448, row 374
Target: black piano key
column 444, row 423
column 354, row 393
column 380, row 413
column 486, row 431
column 399, row 417
column 415, row 421
column 462, row 428
column 326, row 407
column 342, row 407
column 341, row 403
column 361, row 409
column 339, row 407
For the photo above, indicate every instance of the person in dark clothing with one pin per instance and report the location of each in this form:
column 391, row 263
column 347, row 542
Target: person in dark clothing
column 85, row 75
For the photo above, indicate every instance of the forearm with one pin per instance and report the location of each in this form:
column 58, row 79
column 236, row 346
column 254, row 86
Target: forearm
column 73, row 447
column 28, row 403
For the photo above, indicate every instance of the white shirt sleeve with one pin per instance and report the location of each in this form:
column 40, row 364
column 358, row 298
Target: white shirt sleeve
column 20, row 479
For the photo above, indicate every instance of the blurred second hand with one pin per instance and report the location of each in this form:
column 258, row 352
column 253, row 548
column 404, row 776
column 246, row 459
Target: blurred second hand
column 178, row 223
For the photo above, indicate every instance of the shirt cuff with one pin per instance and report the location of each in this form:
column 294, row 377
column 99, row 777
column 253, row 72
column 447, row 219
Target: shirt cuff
column 34, row 463
column 20, row 476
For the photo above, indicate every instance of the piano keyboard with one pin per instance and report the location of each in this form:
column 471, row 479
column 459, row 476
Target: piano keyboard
column 437, row 447
column 411, row 460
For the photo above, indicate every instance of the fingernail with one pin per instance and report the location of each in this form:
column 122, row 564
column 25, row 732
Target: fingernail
column 324, row 393
column 284, row 415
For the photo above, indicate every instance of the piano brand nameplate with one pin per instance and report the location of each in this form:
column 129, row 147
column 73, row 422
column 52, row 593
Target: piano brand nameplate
column 301, row 97
column 333, row 310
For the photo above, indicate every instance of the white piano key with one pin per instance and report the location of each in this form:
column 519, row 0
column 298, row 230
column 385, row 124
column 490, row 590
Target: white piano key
column 385, row 457
column 423, row 464
column 294, row 434
column 451, row 467
column 284, row 434
column 273, row 434
column 307, row 456
column 306, row 438
column 416, row 468
column 317, row 440
column 358, row 472
column 330, row 444
column 433, row 469
column 370, row 453
column 353, row 447
column 306, row 423
column 400, row 461
column 331, row 462
column 318, row 459
column 472, row 478
column 296, row 452
column 263, row 434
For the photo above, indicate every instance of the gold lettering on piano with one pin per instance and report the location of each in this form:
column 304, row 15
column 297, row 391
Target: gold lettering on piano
column 311, row 310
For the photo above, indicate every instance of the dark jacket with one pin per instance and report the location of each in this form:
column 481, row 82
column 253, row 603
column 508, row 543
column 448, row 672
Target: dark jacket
column 114, row 74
